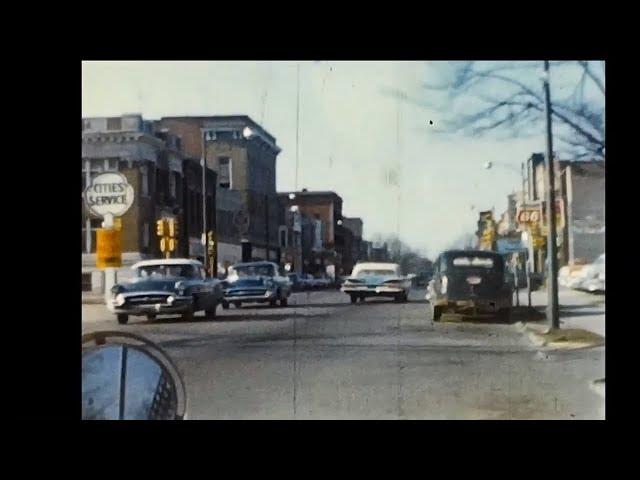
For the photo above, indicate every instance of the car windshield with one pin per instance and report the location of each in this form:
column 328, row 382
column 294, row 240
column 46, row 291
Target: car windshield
column 482, row 262
column 159, row 271
column 375, row 273
column 328, row 195
column 251, row 271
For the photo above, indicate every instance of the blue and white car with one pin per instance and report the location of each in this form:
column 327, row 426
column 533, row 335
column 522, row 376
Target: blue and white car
column 377, row 279
column 174, row 286
column 256, row 282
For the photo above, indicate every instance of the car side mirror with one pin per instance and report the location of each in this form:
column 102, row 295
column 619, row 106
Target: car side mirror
column 126, row 377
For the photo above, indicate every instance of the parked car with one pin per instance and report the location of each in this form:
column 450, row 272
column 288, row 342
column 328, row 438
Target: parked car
column 166, row 287
column 377, row 279
column 469, row 281
column 256, row 282
column 322, row 282
column 307, row 281
column 591, row 278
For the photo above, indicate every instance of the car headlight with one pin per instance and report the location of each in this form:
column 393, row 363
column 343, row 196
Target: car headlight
column 170, row 299
column 445, row 283
column 268, row 293
column 116, row 289
column 119, row 300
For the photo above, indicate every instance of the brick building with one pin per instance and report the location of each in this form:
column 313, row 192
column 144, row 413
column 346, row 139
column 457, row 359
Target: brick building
column 244, row 156
column 166, row 184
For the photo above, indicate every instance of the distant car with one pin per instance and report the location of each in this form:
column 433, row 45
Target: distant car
column 377, row 279
column 166, row 287
column 469, row 281
column 307, row 282
column 256, row 282
column 322, row 282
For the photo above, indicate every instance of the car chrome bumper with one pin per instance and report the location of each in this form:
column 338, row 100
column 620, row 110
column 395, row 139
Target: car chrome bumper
column 179, row 305
column 490, row 305
column 250, row 298
column 372, row 292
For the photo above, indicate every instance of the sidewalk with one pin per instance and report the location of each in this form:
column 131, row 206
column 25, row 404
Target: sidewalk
column 92, row 298
column 578, row 310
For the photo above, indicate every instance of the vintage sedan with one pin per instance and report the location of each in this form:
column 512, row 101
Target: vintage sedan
column 166, row 287
column 377, row 279
column 256, row 282
column 470, row 282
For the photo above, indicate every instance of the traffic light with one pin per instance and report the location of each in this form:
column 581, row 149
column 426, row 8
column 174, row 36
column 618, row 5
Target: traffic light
column 173, row 228
column 162, row 227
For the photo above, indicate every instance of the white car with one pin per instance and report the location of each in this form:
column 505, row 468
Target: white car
column 377, row 279
column 592, row 276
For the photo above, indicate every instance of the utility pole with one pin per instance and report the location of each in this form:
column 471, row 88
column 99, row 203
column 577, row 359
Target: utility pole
column 552, row 246
column 297, row 124
column 203, row 162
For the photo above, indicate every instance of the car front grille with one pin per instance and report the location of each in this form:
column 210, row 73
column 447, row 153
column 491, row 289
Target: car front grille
column 146, row 300
column 246, row 293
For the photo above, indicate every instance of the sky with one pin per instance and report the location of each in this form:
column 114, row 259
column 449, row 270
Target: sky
column 351, row 136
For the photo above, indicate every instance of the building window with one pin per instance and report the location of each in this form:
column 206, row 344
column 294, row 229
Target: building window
column 172, row 185
column 114, row 123
column 110, row 164
column 144, row 173
column 224, row 172
column 283, row 237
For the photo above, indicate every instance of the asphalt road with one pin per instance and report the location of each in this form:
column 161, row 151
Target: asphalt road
column 324, row 358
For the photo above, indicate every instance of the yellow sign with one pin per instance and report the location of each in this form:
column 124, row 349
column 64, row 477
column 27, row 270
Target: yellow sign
column 108, row 248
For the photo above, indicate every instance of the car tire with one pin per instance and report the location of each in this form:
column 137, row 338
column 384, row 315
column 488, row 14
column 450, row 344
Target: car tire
column 237, row 304
column 273, row 302
column 123, row 318
column 284, row 301
column 188, row 316
column 211, row 313
column 362, row 299
column 151, row 317
column 225, row 305
column 354, row 299
column 436, row 313
column 405, row 297
column 397, row 298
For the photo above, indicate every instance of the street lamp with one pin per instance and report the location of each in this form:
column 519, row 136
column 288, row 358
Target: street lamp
column 207, row 135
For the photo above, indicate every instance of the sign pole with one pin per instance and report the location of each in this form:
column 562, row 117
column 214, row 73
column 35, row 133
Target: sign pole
column 552, row 247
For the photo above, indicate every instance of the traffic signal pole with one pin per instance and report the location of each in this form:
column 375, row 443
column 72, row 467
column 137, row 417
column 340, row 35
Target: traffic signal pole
column 552, row 246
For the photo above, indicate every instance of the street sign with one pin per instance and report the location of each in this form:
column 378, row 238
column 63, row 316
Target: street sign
column 109, row 195
column 108, row 248
column 529, row 214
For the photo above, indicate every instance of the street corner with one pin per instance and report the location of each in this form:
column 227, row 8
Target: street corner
column 570, row 339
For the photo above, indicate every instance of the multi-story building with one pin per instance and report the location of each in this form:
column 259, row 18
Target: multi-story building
column 580, row 193
column 323, row 210
column 244, row 156
column 151, row 160
column 355, row 225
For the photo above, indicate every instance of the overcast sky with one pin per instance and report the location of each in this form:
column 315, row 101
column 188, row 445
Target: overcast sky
column 351, row 134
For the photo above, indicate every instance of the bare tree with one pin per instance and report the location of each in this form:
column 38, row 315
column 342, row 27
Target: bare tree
column 477, row 97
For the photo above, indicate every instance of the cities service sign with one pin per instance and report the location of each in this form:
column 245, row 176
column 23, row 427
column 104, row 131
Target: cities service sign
column 109, row 195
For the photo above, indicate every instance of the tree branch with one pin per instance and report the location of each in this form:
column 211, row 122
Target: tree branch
column 597, row 81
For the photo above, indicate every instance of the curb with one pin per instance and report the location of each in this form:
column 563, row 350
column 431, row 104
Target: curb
column 93, row 301
column 564, row 339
